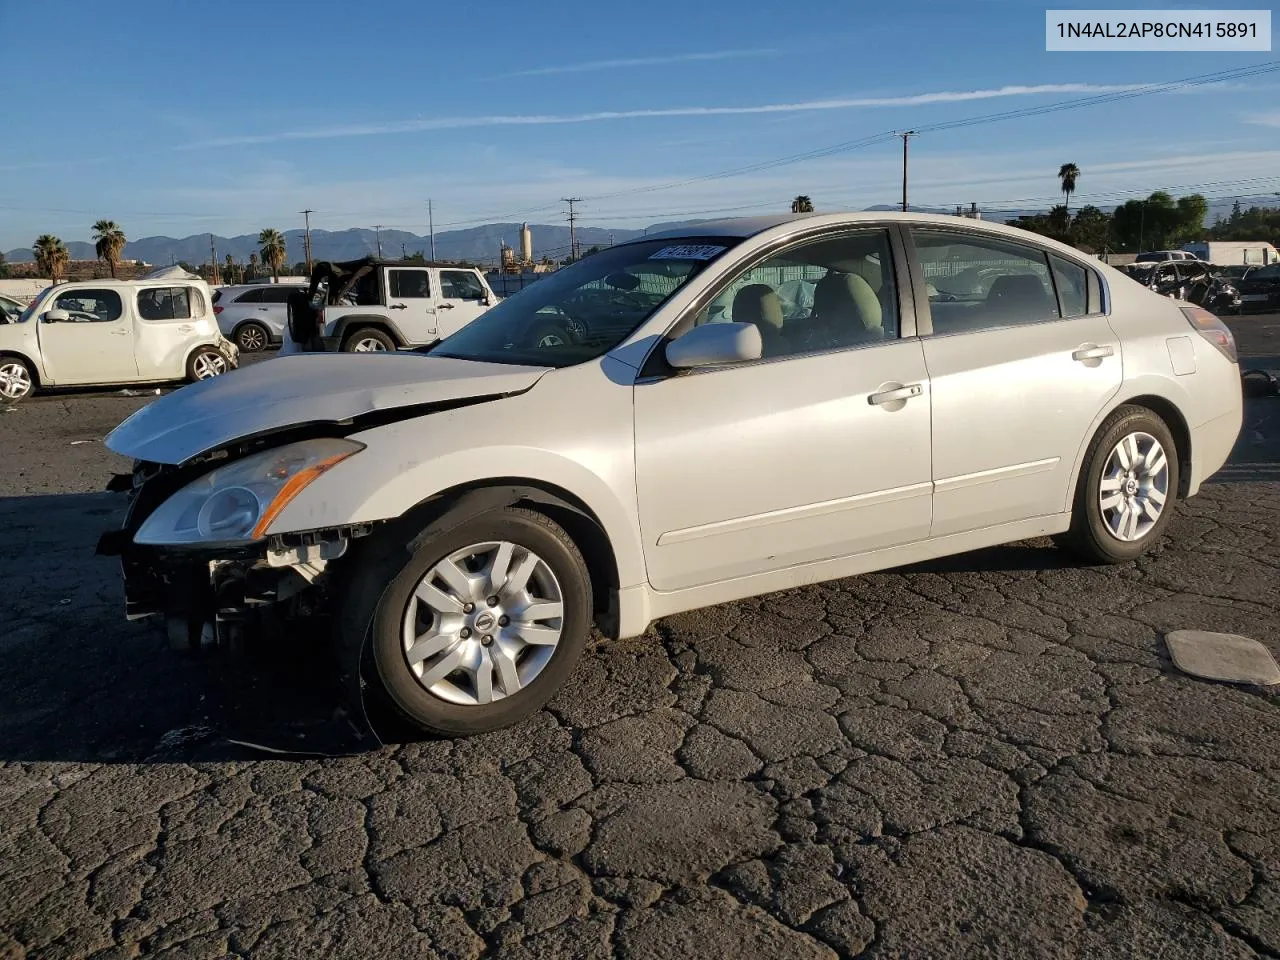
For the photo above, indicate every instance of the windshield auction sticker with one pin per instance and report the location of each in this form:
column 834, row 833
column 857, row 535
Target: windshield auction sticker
column 1166, row 31
column 688, row 252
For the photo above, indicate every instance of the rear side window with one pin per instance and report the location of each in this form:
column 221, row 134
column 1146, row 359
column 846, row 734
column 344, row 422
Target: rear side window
column 250, row 296
column 1072, row 282
column 409, row 284
column 165, row 303
column 275, row 294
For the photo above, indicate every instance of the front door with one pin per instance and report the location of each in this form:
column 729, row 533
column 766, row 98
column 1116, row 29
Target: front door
column 94, row 345
column 820, row 449
column 461, row 300
column 411, row 303
column 1021, row 360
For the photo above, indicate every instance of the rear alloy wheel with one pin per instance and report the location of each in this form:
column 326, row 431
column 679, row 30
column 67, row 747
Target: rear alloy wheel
column 16, row 382
column 482, row 624
column 252, row 337
column 205, row 364
column 369, row 340
column 1127, row 488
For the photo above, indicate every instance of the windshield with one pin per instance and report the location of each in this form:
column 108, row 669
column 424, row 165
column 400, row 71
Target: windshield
column 583, row 311
column 31, row 307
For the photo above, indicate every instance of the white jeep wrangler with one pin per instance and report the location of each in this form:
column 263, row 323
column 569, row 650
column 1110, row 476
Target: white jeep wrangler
column 375, row 305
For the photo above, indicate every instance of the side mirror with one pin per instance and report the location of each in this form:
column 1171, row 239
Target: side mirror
column 713, row 344
column 57, row 316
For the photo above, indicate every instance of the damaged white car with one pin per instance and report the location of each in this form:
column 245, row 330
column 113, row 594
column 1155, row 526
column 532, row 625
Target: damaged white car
column 656, row 428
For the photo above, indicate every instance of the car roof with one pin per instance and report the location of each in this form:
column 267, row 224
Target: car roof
column 780, row 224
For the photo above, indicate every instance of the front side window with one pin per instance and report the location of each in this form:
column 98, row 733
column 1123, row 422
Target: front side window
column 250, row 296
column 583, row 311
column 460, row 285
column 409, row 284
column 277, row 294
column 90, row 306
column 165, row 303
column 825, row 294
column 976, row 283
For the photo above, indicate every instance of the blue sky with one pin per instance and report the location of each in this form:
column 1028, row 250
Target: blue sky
column 181, row 118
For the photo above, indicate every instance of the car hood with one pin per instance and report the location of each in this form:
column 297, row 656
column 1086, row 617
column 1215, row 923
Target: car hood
column 291, row 391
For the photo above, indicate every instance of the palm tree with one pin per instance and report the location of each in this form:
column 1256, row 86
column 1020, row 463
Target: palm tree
column 51, row 255
column 230, row 270
column 108, row 242
column 253, row 266
column 1068, row 173
column 802, row 204
column 271, row 242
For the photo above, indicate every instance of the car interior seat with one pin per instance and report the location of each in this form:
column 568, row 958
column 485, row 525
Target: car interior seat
column 846, row 310
column 1020, row 297
column 758, row 303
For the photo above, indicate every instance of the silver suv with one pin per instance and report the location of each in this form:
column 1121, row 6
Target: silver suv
column 254, row 315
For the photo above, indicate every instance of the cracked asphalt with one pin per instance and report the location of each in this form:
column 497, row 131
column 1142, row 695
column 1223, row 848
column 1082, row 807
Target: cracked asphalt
column 988, row 756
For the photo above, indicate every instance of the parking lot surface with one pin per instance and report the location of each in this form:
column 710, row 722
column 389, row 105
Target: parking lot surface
column 986, row 756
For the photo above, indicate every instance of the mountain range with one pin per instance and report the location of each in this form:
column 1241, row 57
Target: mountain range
column 478, row 244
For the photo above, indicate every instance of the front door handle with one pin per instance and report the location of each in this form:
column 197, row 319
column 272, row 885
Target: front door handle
column 899, row 393
column 446, row 306
column 397, row 306
column 1092, row 351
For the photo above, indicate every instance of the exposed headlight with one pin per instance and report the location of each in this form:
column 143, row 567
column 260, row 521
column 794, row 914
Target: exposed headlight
column 235, row 504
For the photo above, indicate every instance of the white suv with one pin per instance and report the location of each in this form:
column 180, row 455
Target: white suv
column 99, row 332
column 371, row 305
column 254, row 315
column 691, row 435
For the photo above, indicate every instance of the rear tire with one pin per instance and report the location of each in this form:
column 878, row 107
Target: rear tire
column 505, row 669
column 1127, row 489
column 252, row 337
column 368, row 340
column 206, row 363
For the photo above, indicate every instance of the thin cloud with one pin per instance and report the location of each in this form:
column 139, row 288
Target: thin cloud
column 513, row 120
column 1264, row 119
column 591, row 66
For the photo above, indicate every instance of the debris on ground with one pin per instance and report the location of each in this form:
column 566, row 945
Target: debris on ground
column 1226, row 657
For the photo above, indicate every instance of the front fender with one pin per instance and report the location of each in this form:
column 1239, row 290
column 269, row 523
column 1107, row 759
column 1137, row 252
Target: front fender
column 588, row 454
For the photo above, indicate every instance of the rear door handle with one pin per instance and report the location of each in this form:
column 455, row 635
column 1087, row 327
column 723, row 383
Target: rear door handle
column 899, row 393
column 397, row 306
column 446, row 306
column 1092, row 352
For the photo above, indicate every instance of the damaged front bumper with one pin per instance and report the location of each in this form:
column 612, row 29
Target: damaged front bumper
column 226, row 597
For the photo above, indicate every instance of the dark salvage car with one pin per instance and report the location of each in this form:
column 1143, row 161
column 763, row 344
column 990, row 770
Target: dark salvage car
column 1192, row 281
column 1260, row 288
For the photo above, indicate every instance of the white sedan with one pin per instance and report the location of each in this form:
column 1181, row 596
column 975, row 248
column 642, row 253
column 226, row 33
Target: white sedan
column 724, row 411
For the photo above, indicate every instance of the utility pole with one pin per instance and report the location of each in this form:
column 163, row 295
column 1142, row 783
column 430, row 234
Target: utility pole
column 306, row 243
column 573, row 221
column 905, row 137
column 378, row 228
column 431, row 226
column 213, row 260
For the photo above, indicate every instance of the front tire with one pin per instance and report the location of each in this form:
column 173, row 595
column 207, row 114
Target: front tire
column 479, row 623
column 16, row 381
column 1127, row 488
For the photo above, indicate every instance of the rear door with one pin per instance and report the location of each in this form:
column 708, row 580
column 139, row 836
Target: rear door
column 1020, row 367
column 171, row 320
column 95, row 345
column 462, row 299
column 411, row 303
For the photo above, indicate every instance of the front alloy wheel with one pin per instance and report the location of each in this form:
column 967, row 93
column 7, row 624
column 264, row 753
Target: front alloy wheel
column 483, row 623
column 473, row 623
column 15, row 379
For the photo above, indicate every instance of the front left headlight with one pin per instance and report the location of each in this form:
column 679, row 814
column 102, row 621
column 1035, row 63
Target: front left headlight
column 236, row 503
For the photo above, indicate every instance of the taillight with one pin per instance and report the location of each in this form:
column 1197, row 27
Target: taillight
column 1213, row 330
column 217, row 310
